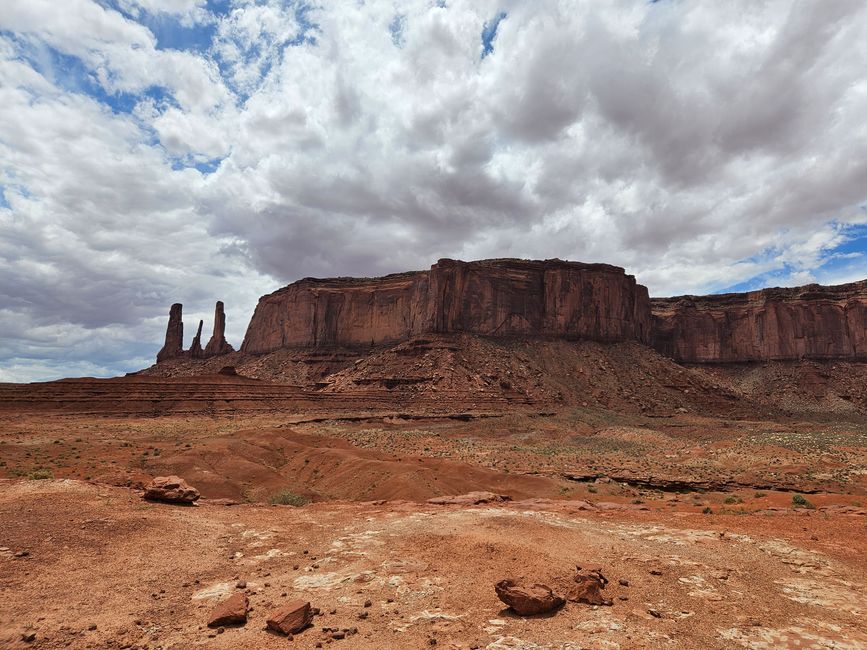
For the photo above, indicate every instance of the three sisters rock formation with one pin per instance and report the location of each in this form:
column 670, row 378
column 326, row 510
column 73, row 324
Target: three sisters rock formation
column 545, row 299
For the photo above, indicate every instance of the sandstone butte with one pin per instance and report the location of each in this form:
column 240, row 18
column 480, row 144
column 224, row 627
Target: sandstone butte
column 811, row 322
column 548, row 299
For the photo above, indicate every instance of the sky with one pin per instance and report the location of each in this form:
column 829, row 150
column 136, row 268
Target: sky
column 161, row 151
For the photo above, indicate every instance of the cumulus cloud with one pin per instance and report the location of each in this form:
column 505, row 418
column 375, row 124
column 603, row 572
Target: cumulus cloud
column 702, row 146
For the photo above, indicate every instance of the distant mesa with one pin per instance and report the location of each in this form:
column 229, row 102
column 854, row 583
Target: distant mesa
column 552, row 299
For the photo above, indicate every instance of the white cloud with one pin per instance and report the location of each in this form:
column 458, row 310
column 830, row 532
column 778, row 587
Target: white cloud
column 699, row 145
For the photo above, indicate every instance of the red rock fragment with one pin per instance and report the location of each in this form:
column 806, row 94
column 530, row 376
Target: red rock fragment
column 587, row 586
column 291, row 618
column 172, row 489
column 232, row 611
column 528, row 600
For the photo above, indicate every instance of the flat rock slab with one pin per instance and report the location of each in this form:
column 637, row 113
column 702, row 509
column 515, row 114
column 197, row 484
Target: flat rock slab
column 291, row 618
column 232, row 611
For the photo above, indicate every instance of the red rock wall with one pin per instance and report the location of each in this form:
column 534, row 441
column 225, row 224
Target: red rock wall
column 491, row 297
column 812, row 322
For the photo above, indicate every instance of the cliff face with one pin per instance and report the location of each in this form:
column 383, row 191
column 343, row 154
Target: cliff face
column 812, row 322
column 491, row 297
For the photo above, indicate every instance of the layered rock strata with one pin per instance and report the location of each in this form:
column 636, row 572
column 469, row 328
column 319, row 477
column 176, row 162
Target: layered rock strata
column 502, row 298
column 810, row 322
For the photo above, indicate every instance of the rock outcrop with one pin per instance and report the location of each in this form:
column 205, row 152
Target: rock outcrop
column 196, row 351
column 810, row 322
column 218, row 345
column 174, row 345
column 502, row 298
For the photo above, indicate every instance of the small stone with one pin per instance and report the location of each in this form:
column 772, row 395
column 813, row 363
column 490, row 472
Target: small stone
column 23, row 553
column 232, row 611
column 291, row 618
column 587, row 586
column 623, row 583
column 655, row 613
column 241, row 584
column 91, row 627
column 368, row 603
column 362, row 615
column 28, row 637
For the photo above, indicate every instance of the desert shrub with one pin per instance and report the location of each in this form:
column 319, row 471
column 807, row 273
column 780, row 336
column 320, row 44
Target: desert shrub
column 592, row 489
column 287, row 498
column 732, row 499
column 800, row 501
column 759, row 495
column 40, row 474
column 707, row 510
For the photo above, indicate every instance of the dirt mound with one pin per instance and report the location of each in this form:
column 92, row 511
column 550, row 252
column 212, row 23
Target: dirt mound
column 259, row 464
column 623, row 377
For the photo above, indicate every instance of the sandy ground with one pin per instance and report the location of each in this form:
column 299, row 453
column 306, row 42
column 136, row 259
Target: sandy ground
column 105, row 569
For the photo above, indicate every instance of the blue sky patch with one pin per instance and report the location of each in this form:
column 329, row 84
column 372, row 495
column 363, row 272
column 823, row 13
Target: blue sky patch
column 848, row 258
column 396, row 27
column 489, row 33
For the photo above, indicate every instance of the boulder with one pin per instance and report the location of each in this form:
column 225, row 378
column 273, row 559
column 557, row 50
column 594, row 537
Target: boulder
column 586, row 587
column 470, row 499
column 172, row 489
column 291, row 618
column 528, row 600
column 232, row 611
